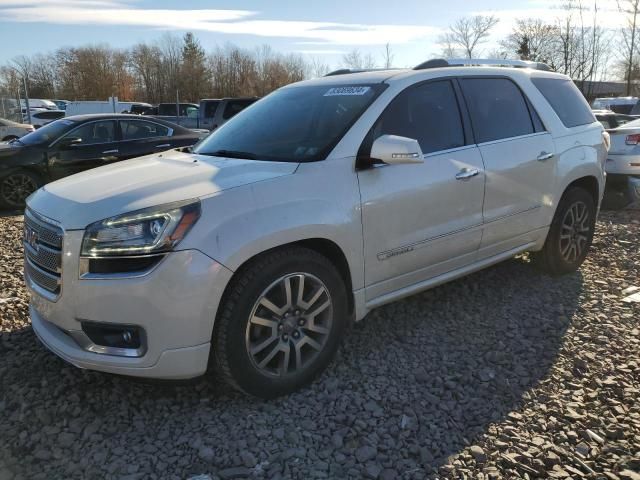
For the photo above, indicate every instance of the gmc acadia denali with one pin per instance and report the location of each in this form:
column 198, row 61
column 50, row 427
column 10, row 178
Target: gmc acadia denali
column 324, row 200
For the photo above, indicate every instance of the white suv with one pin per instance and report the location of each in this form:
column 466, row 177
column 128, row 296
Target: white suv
column 316, row 204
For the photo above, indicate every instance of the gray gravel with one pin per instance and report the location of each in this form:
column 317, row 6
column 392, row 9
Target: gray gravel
column 505, row 374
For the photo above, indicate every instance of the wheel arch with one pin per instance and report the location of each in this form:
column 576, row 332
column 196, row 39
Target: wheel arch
column 588, row 183
column 325, row 247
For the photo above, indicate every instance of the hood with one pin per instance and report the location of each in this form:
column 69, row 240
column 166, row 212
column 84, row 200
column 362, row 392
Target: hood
column 8, row 149
column 87, row 197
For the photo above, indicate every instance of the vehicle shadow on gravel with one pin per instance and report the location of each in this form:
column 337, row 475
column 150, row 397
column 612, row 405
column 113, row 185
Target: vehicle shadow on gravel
column 413, row 384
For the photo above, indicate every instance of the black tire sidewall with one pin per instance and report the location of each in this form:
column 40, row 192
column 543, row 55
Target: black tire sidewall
column 243, row 371
column 558, row 264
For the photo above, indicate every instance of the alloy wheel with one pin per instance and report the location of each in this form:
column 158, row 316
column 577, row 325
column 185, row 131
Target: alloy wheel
column 16, row 188
column 574, row 234
column 289, row 325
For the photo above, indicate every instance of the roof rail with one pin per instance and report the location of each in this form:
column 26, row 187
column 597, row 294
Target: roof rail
column 471, row 62
column 345, row 71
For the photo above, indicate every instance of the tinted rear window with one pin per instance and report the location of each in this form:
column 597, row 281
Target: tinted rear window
column 498, row 109
column 566, row 100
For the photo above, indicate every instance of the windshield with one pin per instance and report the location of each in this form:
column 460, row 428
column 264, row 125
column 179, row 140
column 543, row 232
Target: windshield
column 48, row 133
column 297, row 124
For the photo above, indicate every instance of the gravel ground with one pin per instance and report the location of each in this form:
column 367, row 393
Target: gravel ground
column 504, row 374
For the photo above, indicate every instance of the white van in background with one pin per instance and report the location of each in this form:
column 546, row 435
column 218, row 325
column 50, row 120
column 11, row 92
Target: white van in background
column 39, row 103
column 99, row 106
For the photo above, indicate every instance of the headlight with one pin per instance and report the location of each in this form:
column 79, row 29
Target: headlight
column 148, row 231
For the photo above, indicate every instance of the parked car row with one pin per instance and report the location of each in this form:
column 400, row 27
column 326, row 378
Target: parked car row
column 75, row 144
column 209, row 113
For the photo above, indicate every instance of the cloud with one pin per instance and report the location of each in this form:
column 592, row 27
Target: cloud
column 240, row 22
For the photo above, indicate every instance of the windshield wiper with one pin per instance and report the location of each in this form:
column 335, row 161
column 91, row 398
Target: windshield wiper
column 231, row 154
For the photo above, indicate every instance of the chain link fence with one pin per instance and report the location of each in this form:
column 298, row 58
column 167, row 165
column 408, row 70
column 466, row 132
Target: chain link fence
column 10, row 105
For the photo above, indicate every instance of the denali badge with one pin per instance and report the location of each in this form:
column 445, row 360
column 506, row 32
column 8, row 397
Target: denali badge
column 31, row 237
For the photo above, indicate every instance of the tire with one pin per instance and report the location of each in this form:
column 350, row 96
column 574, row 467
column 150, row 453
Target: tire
column 570, row 234
column 9, row 138
column 17, row 186
column 256, row 317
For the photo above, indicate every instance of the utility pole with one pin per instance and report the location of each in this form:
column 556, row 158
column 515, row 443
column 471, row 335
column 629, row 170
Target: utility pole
column 177, row 107
column 26, row 98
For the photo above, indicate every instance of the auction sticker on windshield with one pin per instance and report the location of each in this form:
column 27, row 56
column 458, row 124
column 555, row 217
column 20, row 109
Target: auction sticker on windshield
column 346, row 91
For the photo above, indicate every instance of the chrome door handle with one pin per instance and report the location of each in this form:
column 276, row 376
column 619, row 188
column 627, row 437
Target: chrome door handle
column 163, row 145
column 110, row 151
column 544, row 156
column 467, row 173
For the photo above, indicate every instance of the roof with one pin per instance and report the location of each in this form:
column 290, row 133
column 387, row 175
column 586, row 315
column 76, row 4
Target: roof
column 392, row 75
column 121, row 116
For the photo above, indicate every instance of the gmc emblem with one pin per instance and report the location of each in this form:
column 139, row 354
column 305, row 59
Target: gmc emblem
column 31, row 237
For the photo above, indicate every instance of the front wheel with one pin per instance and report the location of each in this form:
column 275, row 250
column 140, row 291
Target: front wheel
column 16, row 187
column 280, row 323
column 570, row 234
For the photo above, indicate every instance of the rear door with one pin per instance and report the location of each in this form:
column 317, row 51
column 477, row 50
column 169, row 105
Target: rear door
column 142, row 137
column 519, row 159
column 97, row 146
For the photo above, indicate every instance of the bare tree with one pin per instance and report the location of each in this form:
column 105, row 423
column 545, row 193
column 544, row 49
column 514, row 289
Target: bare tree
column 355, row 59
column 317, row 68
column 532, row 39
column 388, row 56
column 467, row 34
column 629, row 34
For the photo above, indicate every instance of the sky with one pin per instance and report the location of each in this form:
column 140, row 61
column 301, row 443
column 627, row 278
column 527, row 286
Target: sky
column 324, row 29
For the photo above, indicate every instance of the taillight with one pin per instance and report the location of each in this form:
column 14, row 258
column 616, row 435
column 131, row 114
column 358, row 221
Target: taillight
column 606, row 138
column 632, row 139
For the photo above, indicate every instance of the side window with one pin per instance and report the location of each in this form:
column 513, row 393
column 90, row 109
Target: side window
column 428, row 113
column 497, row 108
column 566, row 100
column 210, row 109
column 93, row 133
column 137, row 129
column 192, row 112
column 234, row 107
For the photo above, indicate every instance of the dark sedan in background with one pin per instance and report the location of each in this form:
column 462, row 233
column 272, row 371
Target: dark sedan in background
column 74, row 144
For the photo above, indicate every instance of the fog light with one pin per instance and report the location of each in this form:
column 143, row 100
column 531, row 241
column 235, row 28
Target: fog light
column 113, row 335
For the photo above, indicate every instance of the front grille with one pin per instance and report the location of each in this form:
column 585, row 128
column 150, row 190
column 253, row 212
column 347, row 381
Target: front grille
column 43, row 252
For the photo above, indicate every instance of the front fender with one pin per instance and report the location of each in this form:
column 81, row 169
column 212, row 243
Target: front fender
column 240, row 223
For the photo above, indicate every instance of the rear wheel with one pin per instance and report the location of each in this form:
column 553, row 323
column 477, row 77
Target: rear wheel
column 8, row 138
column 570, row 234
column 16, row 187
column 281, row 322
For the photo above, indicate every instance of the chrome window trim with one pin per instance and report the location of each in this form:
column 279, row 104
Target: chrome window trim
column 509, row 139
column 449, row 150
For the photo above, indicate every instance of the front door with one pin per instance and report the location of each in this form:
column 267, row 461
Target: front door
column 422, row 220
column 95, row 144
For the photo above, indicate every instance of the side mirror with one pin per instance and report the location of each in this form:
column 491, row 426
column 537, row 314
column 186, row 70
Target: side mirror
column 69, row 142
column 393, row 149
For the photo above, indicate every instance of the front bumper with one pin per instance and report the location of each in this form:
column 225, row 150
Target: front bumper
column 175, row 304
column 623, row 164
